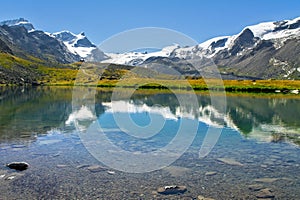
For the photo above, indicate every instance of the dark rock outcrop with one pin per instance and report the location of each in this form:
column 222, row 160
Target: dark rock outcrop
column 172, row 189
column 36, row 43
column 20, row 166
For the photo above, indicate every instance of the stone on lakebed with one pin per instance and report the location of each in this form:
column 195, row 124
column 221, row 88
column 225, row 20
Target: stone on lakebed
column 230, row 161
column 20, row 166
column 171, row 189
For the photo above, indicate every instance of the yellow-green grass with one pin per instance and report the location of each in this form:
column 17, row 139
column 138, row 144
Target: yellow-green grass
column 68, row 77
column 8, row 60
column 68, row 74
column 240, row 85
column 57, row 76
column 201, row 84
column 64, row 74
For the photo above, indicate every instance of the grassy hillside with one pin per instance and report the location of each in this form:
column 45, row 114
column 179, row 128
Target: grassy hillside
column 18, row 71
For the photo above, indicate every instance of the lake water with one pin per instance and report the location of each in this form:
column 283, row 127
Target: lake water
column 126, row 148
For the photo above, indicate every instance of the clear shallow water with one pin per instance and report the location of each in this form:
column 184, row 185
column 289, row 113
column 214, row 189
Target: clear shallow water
column 259, row 145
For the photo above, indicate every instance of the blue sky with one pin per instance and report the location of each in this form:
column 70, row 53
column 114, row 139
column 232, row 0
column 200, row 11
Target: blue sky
column 199, row 19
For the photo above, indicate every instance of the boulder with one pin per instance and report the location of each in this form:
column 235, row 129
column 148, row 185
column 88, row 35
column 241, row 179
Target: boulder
column 171, row 189
column 200, row 197
column 230, row 161
column 212, row 173
column 20, row 166
column 96, row 168
column 265, row 193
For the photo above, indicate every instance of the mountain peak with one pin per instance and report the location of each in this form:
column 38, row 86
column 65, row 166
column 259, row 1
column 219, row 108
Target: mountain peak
column 19, row 22
column 65, row 36
column 78, row 44
column 275, row 30
column 246, row 37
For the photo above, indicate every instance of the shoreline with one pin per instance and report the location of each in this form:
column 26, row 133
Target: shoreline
column 230, row 86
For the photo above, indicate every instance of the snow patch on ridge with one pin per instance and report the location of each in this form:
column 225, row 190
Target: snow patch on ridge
column 136, row 58
column 71, row 40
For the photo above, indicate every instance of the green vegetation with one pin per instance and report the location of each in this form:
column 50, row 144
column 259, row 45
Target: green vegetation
column 251, row 86
column 111, row 75
column 16, row 70
column 57, row 76
column 8, row 61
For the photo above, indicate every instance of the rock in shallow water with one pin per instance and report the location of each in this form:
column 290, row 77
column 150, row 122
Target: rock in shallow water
column 230, row 161
column 82, row 166
column 61, row 166
column 212, row 173
column 200, row 197
column 96, row 168
column 266, row 180
column 265, row 193
column 111, row 172
column 171, row 189
column 20, row 166
column 12, row 176
column 255, row 187
column 18, row 146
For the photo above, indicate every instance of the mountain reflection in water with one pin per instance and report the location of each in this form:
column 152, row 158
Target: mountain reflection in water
column 30, row 111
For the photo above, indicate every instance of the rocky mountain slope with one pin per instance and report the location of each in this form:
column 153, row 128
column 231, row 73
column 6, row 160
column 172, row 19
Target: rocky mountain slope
column 21, row 38
column 80, row 45
column 267, row 50
column 263, row 51
column 27, row 53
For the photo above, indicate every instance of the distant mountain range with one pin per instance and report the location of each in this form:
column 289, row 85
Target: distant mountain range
column 263, row 51
column 266, row 50
column 21, row 38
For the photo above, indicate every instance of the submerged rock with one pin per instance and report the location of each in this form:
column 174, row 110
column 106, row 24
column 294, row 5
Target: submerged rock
column 48, row 142
column 96, row 168
column 18, row 165
column 82, row 166
column 18, row 146
column 255, row 187
column 171, row 189
column 265, row 193
column 266, row 180
column 212, row 173
column 230, row 161
column 12, row 176
column 111, row 172
column 200, row 197
column 61, row 166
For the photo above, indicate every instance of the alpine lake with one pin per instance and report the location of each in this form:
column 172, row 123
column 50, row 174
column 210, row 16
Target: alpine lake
column 237, row 146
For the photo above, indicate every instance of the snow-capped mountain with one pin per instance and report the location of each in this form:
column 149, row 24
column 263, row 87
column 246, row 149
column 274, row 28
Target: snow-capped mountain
column 138, row 58
column 20, row 38
column 78, row 44
column 281, row 30
column 262, row 31
column 265, row 50
column 19, row 22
